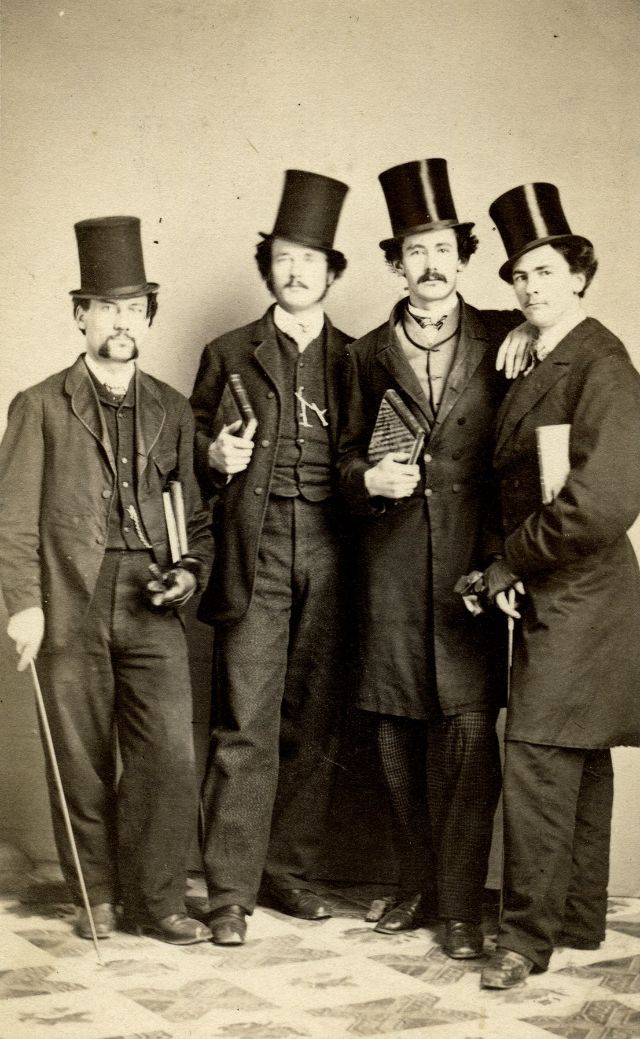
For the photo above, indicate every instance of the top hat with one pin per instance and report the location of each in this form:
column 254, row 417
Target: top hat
column 418, row 198
column 309, row 209
column 111, row 261
column 528, row 216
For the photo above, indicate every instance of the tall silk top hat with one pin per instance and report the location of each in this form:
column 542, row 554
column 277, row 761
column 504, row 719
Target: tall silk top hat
column 528, row 216
column 111, row 261
column 418, row 198
column 309, row 209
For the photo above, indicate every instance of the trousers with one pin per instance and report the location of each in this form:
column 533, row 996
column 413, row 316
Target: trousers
column 443, row 778
column 267, row 787
column 557, row 814
column 124, row 675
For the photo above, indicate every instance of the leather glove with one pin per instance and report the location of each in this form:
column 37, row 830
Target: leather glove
column 26, row 628
column 171, row 588
column 497, row 578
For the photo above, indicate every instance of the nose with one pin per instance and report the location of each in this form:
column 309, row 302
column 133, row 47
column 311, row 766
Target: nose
column 121, row 320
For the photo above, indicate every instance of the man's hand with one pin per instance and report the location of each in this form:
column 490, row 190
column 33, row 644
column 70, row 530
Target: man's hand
column 515, row 352
column 392, row 477
column 175, row 589
column 27, row 631
column 498, row 581
column 229, row 453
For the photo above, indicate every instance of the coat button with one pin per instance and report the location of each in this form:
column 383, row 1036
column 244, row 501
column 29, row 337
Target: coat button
column 265, row 443
column 455, row 487
column 99, row 540
column 461, row 420
column 429, row 491
column 516, row 483
column 270, row 395
column 106, row 494
column 456, row 455
column 258, row 490
column 428, row 458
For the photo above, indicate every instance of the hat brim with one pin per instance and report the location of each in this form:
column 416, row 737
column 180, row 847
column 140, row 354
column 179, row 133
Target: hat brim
column 507, row 267
column 434, row 225
column 124, row 292
column 310, row 243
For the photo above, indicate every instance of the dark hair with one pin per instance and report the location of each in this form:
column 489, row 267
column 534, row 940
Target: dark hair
column 467, row 245
column 152, row 306
column 336, row 262
column 580, row 256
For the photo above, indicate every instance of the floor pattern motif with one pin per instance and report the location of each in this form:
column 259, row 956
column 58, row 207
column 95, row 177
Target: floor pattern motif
column 329, row 979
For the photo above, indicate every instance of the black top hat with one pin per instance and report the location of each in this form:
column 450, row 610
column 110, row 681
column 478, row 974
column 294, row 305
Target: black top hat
column 418, row 198
column 309, row 209
column 528, row 216
column 111, row 262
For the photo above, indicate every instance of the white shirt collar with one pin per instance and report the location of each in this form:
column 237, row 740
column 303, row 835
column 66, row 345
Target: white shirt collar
column 304, row 327
column 118, row 383
column 548, row 338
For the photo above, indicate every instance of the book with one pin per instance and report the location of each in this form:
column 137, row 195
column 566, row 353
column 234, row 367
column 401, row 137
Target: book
column 395, row 429
column 553, row 458
column 234, row 405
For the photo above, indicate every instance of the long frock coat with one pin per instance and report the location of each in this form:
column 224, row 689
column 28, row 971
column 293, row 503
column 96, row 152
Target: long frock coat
column 576, row 677
column 417, row 640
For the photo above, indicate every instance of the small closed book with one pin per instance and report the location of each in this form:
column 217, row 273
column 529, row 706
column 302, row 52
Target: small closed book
column 396, row 429
column 234, row 405
column 553, row 458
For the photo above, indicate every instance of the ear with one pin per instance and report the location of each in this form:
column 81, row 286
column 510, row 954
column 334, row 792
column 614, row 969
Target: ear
column 460, row 266
column 81, row 318
column 579, row 282
column 331, row 277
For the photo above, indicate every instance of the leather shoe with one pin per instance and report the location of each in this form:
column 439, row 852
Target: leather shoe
column 505, row 969
column 300, row 902
column 228, row 925
column 176, row 929
column 104, row 920
column 403, row 916
column 463, row 940
column 571, row 941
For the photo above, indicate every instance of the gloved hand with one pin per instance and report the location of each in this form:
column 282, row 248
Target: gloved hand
column 497, row 578
column 471, row 587
column 173, row 588
column 26, row 628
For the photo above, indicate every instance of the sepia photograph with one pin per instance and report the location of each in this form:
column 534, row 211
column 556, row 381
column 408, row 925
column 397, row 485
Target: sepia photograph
column 319, row 519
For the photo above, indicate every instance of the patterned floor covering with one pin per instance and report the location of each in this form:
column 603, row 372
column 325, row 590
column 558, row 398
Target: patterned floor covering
column 299, row 980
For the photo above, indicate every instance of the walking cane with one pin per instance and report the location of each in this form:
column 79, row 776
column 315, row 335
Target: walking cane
column 63, row 803
column 511, row 599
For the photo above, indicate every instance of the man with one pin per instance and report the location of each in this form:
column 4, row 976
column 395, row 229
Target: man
column 83, row 464
column 576, row 672
column 431, row 675
column 276, row 594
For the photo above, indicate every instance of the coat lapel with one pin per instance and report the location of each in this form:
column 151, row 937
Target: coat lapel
column 267, row 351
column 86, row 406
column 527, row 390
column 333, row 367
column 472, row 346
column 149, row 418
column 390, row 355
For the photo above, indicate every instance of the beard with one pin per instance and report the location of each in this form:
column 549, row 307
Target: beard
column 111, row 349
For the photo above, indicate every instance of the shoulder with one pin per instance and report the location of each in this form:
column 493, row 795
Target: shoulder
column 496, row 323
column 239, row 339
column 369, row 342
column 168, row 395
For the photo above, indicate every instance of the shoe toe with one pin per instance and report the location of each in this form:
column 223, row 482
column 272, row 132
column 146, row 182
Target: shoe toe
column 505, row 969
column 463, row 940
column 228, row 925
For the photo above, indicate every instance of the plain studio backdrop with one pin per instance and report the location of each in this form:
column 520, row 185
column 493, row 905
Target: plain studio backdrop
column 187, row 112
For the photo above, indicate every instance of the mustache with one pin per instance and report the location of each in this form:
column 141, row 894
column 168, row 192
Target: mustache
column 431, row 275
column 295, row 283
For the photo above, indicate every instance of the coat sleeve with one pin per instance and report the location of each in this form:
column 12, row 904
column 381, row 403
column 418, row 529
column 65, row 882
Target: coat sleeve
column 357, row 419
column 198, row 518
column 601, row 497
column 205, row 402
column 22, row 462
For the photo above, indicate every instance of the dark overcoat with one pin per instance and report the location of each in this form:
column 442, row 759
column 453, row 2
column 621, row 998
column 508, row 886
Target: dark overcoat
column 416, row 632
column 576, row 679
column 57, row 488
column 240, row 503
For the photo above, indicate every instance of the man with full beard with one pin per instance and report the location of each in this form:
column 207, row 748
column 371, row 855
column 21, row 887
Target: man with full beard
column 83, row 465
